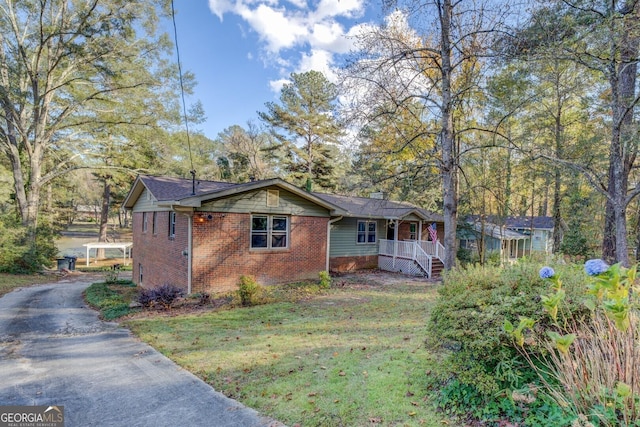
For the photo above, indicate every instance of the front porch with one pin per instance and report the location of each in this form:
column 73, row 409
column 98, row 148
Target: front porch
column 412, row 257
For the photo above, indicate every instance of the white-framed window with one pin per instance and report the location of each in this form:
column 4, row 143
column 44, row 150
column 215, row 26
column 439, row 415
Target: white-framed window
column 366, row 232
column 145, row 221
column 154, row 223
column 172, row 225
column 269, row 231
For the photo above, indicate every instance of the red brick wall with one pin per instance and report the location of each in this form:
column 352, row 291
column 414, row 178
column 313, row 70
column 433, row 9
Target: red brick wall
column 352, row 263
column 221, row 252
column 160, row 256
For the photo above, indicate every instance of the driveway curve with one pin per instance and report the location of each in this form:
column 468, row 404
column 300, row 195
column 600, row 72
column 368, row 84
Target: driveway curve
column 54, row 350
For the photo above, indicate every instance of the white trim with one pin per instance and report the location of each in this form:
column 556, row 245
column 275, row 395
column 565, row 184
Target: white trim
column 331, row 221
column 366, row 231
column 270, row 232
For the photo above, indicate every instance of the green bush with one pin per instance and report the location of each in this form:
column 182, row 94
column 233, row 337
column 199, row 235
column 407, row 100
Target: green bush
column 18, row 255
column 249, row 290
column 325, row 280
column 110, row 299
column 468, row 320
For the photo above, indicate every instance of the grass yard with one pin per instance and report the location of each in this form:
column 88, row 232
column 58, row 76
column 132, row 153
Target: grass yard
column 352, row 356
column 9, row 282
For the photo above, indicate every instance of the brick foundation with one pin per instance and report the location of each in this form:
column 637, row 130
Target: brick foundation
column 352, row 263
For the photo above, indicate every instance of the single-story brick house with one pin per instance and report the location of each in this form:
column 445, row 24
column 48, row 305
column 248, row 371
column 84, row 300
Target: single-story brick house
column 203, row 235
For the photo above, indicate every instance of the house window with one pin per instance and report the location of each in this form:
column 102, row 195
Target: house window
column 366, row 232
column 140, row 274
column 413, row 234
column 172, row 225
column 269, row 232
column 273, row 198
column 154, row 223
column 145, row 220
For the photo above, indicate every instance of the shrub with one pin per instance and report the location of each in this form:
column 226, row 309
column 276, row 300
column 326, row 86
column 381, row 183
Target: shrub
column 164, row 295
column 592, row 359
column 20, row 256
column 112, row 301
column 248, row 290
column 325, row 280
column 468, row 320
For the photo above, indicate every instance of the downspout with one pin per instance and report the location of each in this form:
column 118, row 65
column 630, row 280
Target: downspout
column 189, row 253
column 331, row 221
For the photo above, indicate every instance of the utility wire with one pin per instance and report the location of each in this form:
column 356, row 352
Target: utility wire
column 184, row 105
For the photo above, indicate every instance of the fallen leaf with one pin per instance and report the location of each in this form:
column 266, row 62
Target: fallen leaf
column 409, row 394
column 375, row 420
column 342, row 373
column 313, row 393
column 414, row 403
column 412, row 414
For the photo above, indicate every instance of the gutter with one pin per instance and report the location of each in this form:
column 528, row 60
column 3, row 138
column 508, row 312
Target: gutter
column 331, row 221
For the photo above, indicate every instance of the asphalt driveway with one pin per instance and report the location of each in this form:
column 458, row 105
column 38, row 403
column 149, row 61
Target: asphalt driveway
column 55, row 351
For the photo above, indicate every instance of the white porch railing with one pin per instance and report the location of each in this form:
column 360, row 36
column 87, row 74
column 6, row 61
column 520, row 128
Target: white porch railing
column 407, row 250
column 435, row 249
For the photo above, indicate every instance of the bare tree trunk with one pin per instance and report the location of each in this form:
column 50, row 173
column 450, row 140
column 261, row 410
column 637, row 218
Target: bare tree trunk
column 557, row 183
column 104, row 217
column 447, row 137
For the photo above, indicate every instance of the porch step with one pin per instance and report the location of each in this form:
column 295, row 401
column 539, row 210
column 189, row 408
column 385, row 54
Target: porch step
column 436, row 268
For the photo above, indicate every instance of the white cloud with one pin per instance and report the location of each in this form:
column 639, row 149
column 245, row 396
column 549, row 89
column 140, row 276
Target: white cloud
column 318, row 60
column 276, row 27
column 220, row 7
column 329, row 36
column 276, row 85
column 296, row 35
column 343, row 8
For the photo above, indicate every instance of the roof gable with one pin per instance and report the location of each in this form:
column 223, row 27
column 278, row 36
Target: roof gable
column 175, row 192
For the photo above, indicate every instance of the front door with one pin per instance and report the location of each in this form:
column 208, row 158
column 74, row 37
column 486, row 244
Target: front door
column 391, row 230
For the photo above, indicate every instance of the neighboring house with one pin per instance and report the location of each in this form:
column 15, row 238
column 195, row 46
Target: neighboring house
column 204, row 235
column 512, row 237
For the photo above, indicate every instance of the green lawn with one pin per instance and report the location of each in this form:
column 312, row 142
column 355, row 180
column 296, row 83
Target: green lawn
column 9, row 282
column 353, row 356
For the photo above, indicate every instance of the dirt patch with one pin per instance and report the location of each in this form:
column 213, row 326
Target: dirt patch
column 377, row 278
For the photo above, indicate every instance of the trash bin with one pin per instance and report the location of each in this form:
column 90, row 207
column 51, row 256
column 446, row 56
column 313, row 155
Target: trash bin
column 63, row 263
column 72, row 261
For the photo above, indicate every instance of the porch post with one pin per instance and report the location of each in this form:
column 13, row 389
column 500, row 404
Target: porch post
column 395, row 242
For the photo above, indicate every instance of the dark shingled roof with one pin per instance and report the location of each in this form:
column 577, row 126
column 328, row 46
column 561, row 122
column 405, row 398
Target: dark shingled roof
column 376, row 208
column 176, row 189
column 518, row 222
column 167, row 188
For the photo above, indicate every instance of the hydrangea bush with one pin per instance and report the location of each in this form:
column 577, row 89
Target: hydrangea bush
column 593, row 361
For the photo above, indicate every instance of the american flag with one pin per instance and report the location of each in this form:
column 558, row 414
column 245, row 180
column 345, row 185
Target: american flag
column 433, row 232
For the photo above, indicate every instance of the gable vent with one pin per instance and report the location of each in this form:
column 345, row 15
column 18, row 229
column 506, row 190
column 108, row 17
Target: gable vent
column 273, row 198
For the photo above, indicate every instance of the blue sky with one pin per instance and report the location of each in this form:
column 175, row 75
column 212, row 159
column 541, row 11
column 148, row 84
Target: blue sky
column 242, row 51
